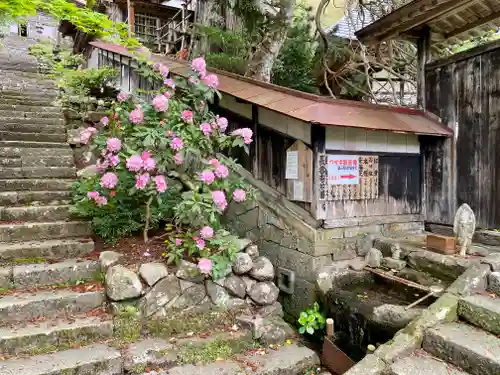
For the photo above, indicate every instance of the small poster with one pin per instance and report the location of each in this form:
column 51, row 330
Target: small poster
column 343, row 170
column 298, row 190
column 292, row 165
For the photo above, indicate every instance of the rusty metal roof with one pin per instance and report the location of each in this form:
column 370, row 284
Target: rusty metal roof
column 307, row 107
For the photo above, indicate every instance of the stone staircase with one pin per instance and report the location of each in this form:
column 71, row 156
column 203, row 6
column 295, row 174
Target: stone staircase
column 53, row 315
column 469, row 346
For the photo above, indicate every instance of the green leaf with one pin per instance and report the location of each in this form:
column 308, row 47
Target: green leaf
column 310, row 330
column 302, row 330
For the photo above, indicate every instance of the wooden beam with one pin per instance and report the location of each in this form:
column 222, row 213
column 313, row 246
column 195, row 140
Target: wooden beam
column 131, row 17
column 254, row 148
column 473, row 25
column 423, row 57
column 409, row 17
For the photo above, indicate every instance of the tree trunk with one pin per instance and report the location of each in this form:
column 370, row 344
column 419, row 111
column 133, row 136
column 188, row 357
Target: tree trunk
column 205, row 15
column 261, row 61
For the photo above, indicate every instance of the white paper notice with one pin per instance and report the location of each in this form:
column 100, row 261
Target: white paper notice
column 298, row 190
column 292, row 165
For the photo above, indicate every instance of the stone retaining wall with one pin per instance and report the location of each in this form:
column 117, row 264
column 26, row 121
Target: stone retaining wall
column 292, row 239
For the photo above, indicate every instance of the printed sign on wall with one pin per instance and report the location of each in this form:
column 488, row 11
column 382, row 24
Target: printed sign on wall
column 348, row 177
column 343, row 170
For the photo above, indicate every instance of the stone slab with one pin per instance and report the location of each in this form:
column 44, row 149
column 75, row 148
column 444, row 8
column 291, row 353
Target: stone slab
column 25, row 306
column 93, row 359
column 53, row 333
column 66, row 248
column 149, row 352
column 464, row 346
column 43, row 231
column 474, row 279
column 439, row 265
column 35, row 213
column 31, row 275
column 419, row 365
column 6, row 277
column 482, row 311
column 369, row 365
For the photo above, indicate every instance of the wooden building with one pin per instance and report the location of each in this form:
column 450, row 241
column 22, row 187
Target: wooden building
column 337, row 159
column 462, row 90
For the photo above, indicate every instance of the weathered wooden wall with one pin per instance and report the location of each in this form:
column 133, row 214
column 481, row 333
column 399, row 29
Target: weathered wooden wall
column 464, row 92
column 400, row 190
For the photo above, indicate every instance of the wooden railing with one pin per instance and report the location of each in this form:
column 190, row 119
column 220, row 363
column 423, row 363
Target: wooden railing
column 175, row 31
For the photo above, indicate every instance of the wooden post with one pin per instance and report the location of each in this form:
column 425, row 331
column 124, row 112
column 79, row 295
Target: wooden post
column 131, row 17
column 423, row 57
column 254, row 149
column 318, row 142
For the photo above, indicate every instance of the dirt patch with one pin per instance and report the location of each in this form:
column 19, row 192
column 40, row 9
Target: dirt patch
column 133, row 250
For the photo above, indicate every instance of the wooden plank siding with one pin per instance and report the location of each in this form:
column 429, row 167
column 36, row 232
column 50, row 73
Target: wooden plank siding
column 400, row 189
column 465, row 94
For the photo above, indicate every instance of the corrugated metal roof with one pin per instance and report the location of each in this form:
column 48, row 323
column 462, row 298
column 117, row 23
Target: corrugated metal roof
column 308, row 107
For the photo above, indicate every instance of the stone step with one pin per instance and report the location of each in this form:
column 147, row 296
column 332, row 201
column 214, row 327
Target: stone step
column 26, row 144
column 55, row 334
column 43, row 231
column 35, row 213
column 18, row 65
column 481, row 311
column 95, row 359
column 422, row 365
column 37, row 172
column 21, row 307
column 467, row 347
column 287, row 360
column 18, row 113
column 32, row 137
column 59, row 120
column 42, row 184
column 33, row 128
column 43, row 108
column 32, row 153
column 27, row 95
column 35, row 198
column 10, row 162
column 65, row 248
column 48, row 161
column 67, row 271
column 16, row 100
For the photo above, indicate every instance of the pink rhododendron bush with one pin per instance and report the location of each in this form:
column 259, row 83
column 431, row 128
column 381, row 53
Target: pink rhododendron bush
column 159, row 166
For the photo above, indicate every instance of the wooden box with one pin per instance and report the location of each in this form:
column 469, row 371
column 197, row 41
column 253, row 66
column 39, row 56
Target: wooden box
column 441, row 244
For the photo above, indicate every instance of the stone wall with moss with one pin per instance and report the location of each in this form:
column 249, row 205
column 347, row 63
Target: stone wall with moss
column 292, row 239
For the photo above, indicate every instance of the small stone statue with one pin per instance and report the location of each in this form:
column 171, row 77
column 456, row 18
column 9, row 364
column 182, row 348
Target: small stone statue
column 396, row 251
column 464, row 226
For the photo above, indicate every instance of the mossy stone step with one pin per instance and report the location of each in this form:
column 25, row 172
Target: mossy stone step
column 35, row 213
column 482, row 311
column 39, row 184
column 28, row 198
column 95, row 359
column 37, row 172
column 464, row 346
column 54, row 335
column 422, row 365
column 32, row 231
column 22, row 307
column 58, row 249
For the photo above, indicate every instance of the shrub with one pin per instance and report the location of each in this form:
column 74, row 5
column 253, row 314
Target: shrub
column 159, row 163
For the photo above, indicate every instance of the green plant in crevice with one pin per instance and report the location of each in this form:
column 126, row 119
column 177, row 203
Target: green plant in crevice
column 311, row 320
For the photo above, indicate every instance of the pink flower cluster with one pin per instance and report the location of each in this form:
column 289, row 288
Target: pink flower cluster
column 113, row 144
column 160, row 103
column 211, row 81
column 105, row 120
column 239, row 195
column 187, row 116
column 161, row 183
column 162, row 69
column 86, row 134
column 219, row 199
column 207, row 177
column 199, row 66
column 206, row 128
column 136, row 116
column 221, row 124
column 178, row 159
column 97, row 198
column 207, row 232
column 205, row 266
column 176, row 143
column 144, row 161
column 122, row 96
column 109, row 180
column 245, row 133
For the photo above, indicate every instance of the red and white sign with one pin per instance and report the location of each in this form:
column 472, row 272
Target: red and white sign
column 343, row 170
